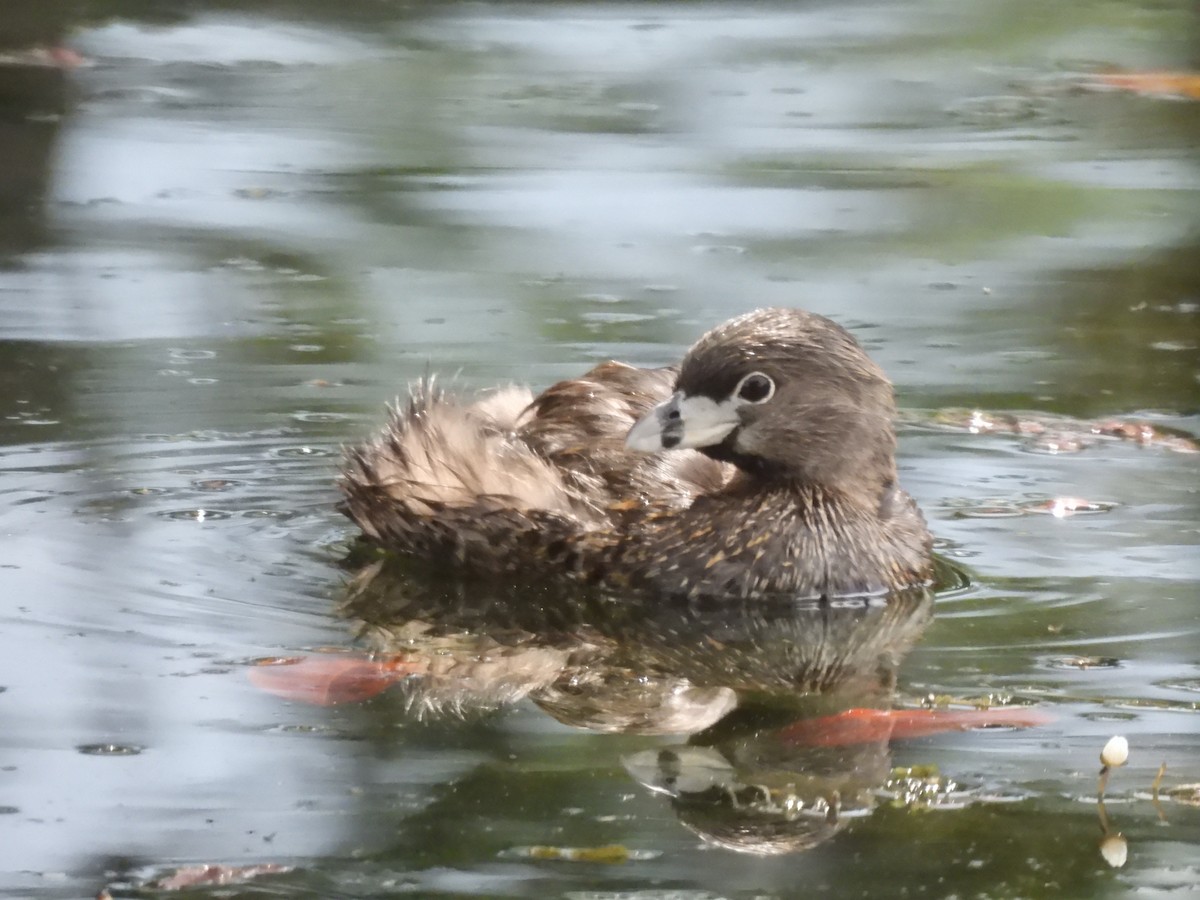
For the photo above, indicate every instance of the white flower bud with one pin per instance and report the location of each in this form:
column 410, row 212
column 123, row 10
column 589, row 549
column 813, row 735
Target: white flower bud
column 1115, row 752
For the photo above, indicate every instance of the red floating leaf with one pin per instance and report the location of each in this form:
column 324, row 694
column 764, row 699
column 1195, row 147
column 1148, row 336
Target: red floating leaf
column 1167, row 84
column 330, row 679
column 860, row 726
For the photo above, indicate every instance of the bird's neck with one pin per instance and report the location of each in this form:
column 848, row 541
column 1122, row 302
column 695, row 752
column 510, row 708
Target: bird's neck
column 864, row 496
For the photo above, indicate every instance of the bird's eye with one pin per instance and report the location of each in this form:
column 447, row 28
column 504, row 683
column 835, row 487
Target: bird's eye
column 755, row 388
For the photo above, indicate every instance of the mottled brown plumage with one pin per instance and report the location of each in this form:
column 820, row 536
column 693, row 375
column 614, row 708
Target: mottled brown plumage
column 789, row 488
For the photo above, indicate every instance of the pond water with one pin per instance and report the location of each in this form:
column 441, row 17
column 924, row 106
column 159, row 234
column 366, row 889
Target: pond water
column 228, row 236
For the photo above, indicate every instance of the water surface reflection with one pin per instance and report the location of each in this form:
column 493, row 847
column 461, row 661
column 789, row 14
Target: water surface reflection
column 230, row 234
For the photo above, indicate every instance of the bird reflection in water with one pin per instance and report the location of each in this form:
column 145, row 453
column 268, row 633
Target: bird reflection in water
column 782, row 706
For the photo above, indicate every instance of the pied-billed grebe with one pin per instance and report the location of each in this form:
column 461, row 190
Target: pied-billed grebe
column 763, row 465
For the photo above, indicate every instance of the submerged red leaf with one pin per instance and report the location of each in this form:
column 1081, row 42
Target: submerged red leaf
column 860, row 726
column 330, row 679
column 1170, row 84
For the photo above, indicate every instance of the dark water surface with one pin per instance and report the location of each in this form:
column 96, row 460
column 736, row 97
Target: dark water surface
column 229, row 236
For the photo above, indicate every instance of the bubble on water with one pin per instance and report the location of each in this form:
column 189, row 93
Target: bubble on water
column 110, row 749
column 296, row 452
column 268, row 513
column 195, row 515
column 181, row 353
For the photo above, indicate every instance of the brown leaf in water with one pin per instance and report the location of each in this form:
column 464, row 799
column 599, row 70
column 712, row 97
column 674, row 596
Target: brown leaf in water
column 609, row 853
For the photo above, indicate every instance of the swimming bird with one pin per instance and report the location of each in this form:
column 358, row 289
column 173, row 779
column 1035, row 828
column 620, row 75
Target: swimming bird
column 762, row 465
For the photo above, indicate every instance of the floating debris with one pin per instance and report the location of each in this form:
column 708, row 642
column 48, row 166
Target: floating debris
column 607, row 853
column 1046, row 433
column 1084, row 662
